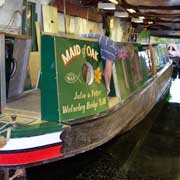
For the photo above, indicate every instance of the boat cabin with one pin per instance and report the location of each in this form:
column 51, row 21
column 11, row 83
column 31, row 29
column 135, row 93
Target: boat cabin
column 69, row 85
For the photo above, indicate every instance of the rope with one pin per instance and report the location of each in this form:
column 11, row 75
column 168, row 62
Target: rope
column 5, row 125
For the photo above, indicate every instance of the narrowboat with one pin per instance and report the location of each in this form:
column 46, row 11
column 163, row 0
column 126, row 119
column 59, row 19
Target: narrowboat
column 67, row 111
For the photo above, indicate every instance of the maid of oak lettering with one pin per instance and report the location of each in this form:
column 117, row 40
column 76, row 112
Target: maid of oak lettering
column 70, row 54
column 75, row 51
column 92, row 53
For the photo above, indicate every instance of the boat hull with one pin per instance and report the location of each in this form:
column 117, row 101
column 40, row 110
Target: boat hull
column 32, row 150
column 83, row 136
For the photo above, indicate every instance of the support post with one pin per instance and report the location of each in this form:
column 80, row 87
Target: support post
column 152, row 56
column 64, row 5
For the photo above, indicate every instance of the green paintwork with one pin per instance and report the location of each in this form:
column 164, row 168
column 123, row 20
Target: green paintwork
column 76, row 98
column 48, row 86
column 124, row 91
column 135, row 70
column 35, row 130
column 143, row 68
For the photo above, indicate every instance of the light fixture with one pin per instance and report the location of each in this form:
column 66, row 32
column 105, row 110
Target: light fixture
column 131, row 11
column 177, row 33
column 141, row 17
column 111, row 24
column 107, row 6
column 2, row 2
column 114, row 1
column 150, row 22
column 137, row 20
column 121, row 14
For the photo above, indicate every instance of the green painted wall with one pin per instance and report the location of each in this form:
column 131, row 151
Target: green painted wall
column 125, row 89
column 79, row 98
column 132, row 72
column 48, row 86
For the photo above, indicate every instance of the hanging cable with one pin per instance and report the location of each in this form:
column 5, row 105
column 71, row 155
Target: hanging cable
column 11, row 21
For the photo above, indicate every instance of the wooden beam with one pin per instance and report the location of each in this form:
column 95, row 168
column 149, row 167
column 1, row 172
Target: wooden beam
column 125, row 4
column 79, row 11
column 152, row 57
column 163, row 33
column 167, row 36
column 162, row 21
column 156, row 26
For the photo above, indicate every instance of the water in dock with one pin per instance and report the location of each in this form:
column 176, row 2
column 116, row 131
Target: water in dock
column 150, row 151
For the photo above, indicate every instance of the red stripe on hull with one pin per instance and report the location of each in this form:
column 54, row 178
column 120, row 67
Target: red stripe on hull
column 25, row 158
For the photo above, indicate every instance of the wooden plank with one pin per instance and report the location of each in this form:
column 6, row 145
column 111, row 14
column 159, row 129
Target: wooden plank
column 69, row 35
column 38, row 35
column 77, row 10
column 16, row 35
column 135, row 67
column 50, row 19
column 152, row 60
column 34, row 68
column 30, row 101
column 125, row 74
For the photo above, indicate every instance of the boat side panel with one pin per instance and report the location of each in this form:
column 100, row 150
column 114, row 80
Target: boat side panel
column 48, row 86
